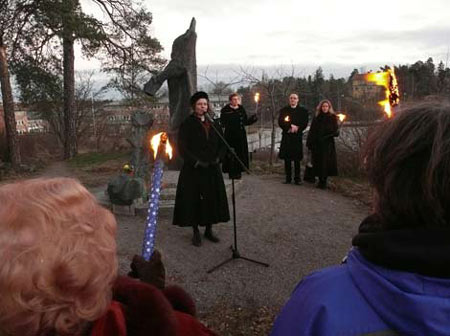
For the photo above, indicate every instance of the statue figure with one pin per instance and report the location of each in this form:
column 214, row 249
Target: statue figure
column 141, row 122
column 181, row 76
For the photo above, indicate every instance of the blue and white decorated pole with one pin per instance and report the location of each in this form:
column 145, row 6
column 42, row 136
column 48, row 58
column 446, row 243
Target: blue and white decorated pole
column 161, row 149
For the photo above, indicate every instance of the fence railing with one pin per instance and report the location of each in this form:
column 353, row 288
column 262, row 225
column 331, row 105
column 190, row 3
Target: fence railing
column 263, row 138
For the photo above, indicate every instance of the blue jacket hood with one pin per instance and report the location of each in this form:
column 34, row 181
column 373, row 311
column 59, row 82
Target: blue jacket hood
column 409, row 303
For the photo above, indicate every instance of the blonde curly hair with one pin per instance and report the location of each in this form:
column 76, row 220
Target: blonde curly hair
column 58, row 253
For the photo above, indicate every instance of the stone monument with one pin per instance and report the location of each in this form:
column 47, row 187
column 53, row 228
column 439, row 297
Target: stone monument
column 181, row 76
column 129, row 186
column 141, row 123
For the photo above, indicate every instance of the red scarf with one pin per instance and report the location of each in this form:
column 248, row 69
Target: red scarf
column 112, row 323
column 206, row 125
column 149, row 311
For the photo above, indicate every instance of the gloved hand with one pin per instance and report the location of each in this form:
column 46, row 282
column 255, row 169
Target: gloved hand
column 202, row 164
column 294, row 128
column 152, row 271
column 231, row 153
column 215, row 162
column 253, row 118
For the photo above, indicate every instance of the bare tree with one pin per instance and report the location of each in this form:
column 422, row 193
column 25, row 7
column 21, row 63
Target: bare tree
column 274, row 90
column 86, row 101
column 219, row 87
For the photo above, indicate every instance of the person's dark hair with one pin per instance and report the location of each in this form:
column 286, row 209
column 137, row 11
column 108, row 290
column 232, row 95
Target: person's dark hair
column 234, row 94
column 408, row 162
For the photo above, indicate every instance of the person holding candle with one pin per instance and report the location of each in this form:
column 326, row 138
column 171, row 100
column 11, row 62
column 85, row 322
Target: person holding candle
column 233, row 119
column 201, row 198
column 59, row 270
column 396, row 278
column 320, row 141
column 293, row 120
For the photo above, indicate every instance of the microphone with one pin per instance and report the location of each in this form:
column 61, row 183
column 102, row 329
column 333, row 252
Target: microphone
column 208, row 116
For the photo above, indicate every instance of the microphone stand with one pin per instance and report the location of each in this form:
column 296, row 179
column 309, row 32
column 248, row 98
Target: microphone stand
column 234, row 248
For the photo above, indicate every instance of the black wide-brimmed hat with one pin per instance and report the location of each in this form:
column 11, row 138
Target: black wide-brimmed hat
column 198, row 95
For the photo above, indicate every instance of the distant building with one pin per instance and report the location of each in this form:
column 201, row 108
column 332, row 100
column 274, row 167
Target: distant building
column 37, row 126
column 160, row 111
column 26, row 122
column 21, row 122
column 115, row 117
column 161, row 108
column 217, row 102
column 118, row 115
column 362, row 89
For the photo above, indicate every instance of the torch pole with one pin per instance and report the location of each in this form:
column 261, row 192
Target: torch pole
column 153, row 209
column 160, row 147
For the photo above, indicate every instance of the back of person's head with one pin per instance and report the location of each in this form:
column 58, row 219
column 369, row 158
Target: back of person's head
column 408, row 163
column 58, row 254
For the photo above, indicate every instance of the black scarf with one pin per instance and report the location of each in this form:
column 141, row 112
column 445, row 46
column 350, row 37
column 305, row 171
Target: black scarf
column 420, row 250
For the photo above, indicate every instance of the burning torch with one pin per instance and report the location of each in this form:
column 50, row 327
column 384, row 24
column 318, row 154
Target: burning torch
column 161, row 150
column 388, row 80
column 341, row 118
column 256, row 97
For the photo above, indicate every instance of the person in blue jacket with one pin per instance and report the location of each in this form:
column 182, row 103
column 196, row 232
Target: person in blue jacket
column 396, row 278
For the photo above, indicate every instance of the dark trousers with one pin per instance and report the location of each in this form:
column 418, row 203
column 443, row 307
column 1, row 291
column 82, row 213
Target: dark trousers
column 288, row 170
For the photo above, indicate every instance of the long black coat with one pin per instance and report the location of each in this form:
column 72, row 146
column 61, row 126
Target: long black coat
column 320, row 141
column 201, row 198
column 234, row 121
column 291, row 147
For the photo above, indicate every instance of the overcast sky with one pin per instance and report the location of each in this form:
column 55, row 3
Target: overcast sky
column 331, row 33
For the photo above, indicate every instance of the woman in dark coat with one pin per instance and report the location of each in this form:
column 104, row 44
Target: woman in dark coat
column 201, row 198
column 320, row 141
column 234, row 119
column 293, row 119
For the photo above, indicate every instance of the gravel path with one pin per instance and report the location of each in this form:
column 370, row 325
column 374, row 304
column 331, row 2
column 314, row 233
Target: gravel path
column 296, row 229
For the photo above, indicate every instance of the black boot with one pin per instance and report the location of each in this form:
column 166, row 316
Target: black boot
column 298, row 181
column 322, row 184
column 288, row 180
column 196, row 239
column 210, row 235
column 288, row 171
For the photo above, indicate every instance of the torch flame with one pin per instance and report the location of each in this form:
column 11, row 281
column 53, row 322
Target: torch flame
column 287, row 119
column 161, row 138
column 257, row 97
column 341, row 117
column 389, row 81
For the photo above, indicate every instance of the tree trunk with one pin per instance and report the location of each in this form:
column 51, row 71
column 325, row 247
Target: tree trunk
column 13, row 152
column 70, row 135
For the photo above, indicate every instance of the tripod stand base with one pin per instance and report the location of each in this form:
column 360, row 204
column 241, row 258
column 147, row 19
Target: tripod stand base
column 236, row 255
